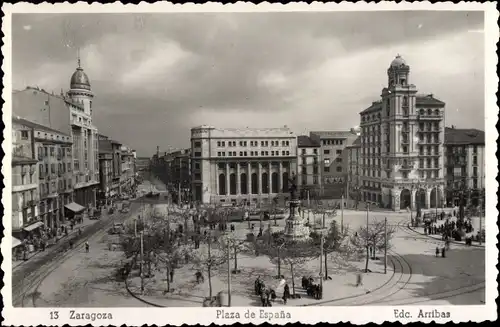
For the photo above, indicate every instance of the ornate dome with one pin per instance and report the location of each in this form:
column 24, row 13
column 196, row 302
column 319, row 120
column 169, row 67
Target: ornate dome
column 398, row 62
column 80, row 80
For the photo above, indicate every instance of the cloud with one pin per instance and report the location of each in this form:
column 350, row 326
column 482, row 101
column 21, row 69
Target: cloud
column 156, row 75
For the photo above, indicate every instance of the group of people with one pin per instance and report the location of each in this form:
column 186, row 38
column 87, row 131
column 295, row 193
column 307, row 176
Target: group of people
column 312, row 289
column 268, row 295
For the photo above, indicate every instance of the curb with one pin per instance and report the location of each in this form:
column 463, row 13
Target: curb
column 140, row 298
column 451, row 241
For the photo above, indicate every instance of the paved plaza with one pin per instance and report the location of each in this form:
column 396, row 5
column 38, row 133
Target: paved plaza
column 414, row 276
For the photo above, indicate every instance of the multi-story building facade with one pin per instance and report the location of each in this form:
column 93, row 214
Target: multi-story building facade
column 127, row 178
column 239, row 165
column 71, row 114
column 85, row 139
column 54, row 159
column 333, row 161
column 465, row 164
column 24, row 176
column 308, row 166
column 105, row 172
column 402, row 145
column 353, row 174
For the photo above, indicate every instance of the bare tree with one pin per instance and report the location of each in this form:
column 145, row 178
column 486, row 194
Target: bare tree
column 291, row 252
column 372, row 237
column 214, row 257
column 333, row 242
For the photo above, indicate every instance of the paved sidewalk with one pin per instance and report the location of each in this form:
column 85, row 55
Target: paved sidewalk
column 420, row 230
column 55, row 246
column 187, row 293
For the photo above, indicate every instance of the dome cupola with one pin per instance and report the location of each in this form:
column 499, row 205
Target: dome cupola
column 80, row 80
column 398, row 62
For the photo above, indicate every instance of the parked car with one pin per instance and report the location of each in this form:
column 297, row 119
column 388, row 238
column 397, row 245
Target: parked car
column 118, row 228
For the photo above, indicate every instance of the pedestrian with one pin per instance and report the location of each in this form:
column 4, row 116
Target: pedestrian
column 71, row 244
column 359, row 279
column 87, row 247
column 171, row 275
column 437, row 251
column 286, row 293
column 443, row 252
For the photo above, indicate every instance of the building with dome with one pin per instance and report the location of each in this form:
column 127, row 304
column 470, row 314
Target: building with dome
column 85, row 139
column 402, row 138
column 71, row 114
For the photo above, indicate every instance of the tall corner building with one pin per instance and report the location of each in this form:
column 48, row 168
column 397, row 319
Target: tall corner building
column 402, row 137
column 85, row 139
column 239, row 165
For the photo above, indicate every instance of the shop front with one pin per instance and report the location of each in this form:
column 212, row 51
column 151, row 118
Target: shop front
column 74, row 211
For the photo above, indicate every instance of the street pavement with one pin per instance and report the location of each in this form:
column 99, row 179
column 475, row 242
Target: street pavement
column 87, row 280
column 57, row 275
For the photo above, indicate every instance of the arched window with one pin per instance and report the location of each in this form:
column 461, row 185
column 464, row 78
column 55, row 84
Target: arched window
column 265, row 183
column 243, row 183
column 232, row 184
column 255, row 184
column 405, row 100
column 429, row 112
column 436, row 112
column 222, row 184
column 275, row 182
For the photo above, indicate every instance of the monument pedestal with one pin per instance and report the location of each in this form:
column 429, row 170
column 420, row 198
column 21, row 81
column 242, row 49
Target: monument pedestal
column 295, row 227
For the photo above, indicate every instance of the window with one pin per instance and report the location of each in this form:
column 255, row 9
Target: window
column 326, row 169
column 338, row 151
column 303, row 151
column 474, row 160
column 197, row 154
column 474, row 149
column 197, row 144
column 339, row 169
column 315, row 179
column 24, row 135
column 326, row 151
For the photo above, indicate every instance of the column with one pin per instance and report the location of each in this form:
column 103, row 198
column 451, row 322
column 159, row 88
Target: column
column 280, row 178
column 227, row 178
column 238, row 183
column 427, row 199
column 269, row 178
column 216, row 178
column 259, row 177
column 249, row 178
column 413, row 199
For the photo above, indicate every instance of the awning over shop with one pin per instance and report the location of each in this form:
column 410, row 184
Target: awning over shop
column 16, row 242
column 75, row 207
column 33, row 226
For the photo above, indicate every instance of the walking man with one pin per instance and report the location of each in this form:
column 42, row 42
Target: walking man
column 359, row 280
column 87, row 247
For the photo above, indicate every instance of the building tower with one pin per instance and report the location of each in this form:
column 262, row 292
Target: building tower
column 80, row 90
column 85, row 138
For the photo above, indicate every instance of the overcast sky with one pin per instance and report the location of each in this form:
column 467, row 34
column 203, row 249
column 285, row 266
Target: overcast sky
column 157, row 75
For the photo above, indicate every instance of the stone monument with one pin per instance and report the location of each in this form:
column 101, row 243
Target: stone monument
column 295, row 227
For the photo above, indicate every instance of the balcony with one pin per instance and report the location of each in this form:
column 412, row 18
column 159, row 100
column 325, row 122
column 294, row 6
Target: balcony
column 406, row 167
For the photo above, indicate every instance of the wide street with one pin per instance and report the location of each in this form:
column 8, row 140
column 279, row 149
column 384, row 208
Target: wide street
column 415, row 275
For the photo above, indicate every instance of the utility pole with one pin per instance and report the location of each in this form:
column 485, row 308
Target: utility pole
column 341, row 215
column 308, row 207
column 142, row 262
column 480, row 221
column 228, row 273
column 135, row 228
column 367, row 226
column 385, row 245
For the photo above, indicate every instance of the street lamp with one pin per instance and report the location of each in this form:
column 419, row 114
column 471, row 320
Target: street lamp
column 321, row 231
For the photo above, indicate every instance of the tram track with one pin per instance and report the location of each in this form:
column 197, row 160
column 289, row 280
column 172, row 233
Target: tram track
column 29, row 293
